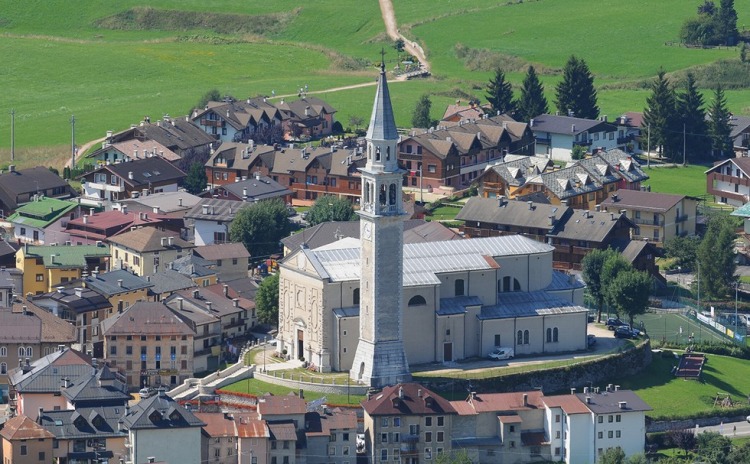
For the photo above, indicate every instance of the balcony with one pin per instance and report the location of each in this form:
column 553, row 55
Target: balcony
column 648, row 222
column 544, row 140
column 582, row 143
column 681, row 218
column 104, row 186
column 627, row 139
column 211, row 123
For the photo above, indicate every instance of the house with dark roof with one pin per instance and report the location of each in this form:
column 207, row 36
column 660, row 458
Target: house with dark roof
column 629, row 170
column 204, row 322
column 196, row 268
column 307, row 118
column 729, row 181
column 409, row 418
column 629, row 130
column 657, row 216
column 557, row 135
column 330, row 436
column 29, row 333
column 111, row 183
column 94, row 227
column 38, row 384
column 45, row 267
column 129, row 150
column 233, row 161
column 166, row 282
column 157, row 420
column 162, row 340
column 18, row 187
column 147, row 250
column 230, row 261
column 236, row 120
column 24, row 441
column 209, row 220
column 169, row 204
column 179, row 135
column 30, row 221
column 121, row 288
column 254, row 189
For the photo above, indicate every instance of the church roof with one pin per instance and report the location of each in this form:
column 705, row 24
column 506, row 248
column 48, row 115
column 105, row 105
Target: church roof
column 382, row 123
column 423, row 261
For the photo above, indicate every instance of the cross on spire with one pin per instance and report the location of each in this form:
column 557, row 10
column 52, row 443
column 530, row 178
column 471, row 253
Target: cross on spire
column 382, row 59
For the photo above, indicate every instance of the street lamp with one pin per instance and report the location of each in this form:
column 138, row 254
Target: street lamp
column 736, row 295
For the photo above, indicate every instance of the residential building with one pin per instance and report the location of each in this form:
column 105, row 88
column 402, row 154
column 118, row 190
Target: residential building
column 18, row 187
column 230, row 260
column 211, row 218
column 729, row 181
column 8, row 254
column 234, row 161
column 629, row 131
column 204, row 323
column 166, row 282
column 557, row 135
column 37, row 385
column 84, row 309
column 147, row 250
column 253, row 439
column 236, row 120
column 195, row 267
column 407, row 423
column 306, row 118
column 254, row 189
column 573, row 186
column 116, row 182
column 657, row 216
column 169, row 204
column 97, row 227
column 149, row 345
column 219, row 438
column 29, row 333
column 285, row 418
column 331, row 436
column 178, row 135
column 740, row 135
column 627, row 168
column 11, row 286
column 25, row 442
column 504, row 179
column 45, row 267
column 130, row 150
column 153, row 422
column 31, row 220
column 466, row 113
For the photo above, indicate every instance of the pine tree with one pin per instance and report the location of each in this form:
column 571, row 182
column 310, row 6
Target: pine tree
column 727, row 22
column 690, row 109
column 421, row 115
column 532, row 102
column 718, row 125
column 576, row 93
column 660, row 115
column 500, row 94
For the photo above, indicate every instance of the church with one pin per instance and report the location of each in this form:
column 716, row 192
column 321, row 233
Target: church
column 373, row 306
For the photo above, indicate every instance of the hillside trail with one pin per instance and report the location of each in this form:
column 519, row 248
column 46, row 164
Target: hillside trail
column 82, row 150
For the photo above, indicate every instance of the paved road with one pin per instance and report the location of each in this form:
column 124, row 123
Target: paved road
column 728, row 429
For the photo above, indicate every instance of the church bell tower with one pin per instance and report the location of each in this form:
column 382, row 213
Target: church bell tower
column 380, row 359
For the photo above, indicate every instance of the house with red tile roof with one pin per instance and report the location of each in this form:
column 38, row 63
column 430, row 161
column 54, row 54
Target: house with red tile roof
column 25, row 441
column 218, row 438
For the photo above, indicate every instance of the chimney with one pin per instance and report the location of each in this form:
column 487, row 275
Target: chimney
column 419, row 392
column 164, row 241
column 531, row 122
column 196, row 294
column 623, row 404
column 79, row 292
column 244, row 193
column 531, row 205
column 236, row 302
column 302, row 394
column 85, row 219
column 119, row 283
column 525, row 399
column 226, row 291
column 572, row 391
column 614, row 198
column 156, row 210
column 551, row 218
column 179, row 303
column 208, row 305
column 572, row 128
column 179, row 201
column 27, row 366
column 401, row 392
column 170, row 241
column 130, row 173
column 598, row 208
column 612, row 215
column 588, row 400
column 617, row 388
column 205, row 209
column 25, row 310
column 39, row 417
column 124, row 209
column 473, row 395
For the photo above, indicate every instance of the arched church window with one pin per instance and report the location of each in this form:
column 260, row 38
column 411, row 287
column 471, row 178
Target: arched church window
column 377, row 153
column 519, row 337
column 367, row 192
column 525, row 337
column 417, row 300
column 387, row 153
column 355, row 296
column 459, row 287
column 369, row 152
column 392, row 194
column 382, row 195
column 516, row 285
column 555, row 334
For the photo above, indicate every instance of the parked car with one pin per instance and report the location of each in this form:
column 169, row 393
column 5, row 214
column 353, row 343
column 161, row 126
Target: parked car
column 501, row 353
column 625, row 331
column 592, row 339
column 145, row 392
column 615, row 322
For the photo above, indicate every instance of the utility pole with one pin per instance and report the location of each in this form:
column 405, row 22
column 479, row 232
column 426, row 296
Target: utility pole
column 73, row 141
column 648, row 147
column 12, row 135
column 684, row 149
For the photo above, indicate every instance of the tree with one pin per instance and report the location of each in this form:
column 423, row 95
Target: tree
column 713, row 448
column 683, row 439
column 330, row 208
column 356, row 121
column 454, row 457
column 684, row 250
column 211, row 95
column 421, row 115
column 267, row 300
column 739, row 454
column 660, row 115
column 629, row 292
column 613, row 266
column 716, row 257
column 612, row 456
column 576, row 93
column 743, row 52
column 592, row 266
column 500, row 94
column 532, row 102
column 260, row 227
column 578, row 152
column 719, row 128
column 690, row 109
column 195, row 182
column 726, row 19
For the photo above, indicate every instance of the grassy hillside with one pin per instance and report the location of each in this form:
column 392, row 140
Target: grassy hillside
column 111, row 63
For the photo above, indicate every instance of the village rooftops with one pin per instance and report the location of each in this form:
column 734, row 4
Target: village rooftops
column 166, row 202
column 65, row 257
column 28, row 323
column 513, row 213
column 216, row 210
column 38, row 180
column 168, row 281
column 257, row 188
column 144, row 172
column 85, row 423
column 145, row 318
column 134, row 149
column 270, row 405
column 23, row 428
column 222, row 251
column 177, row 134
column 555, row 124
column 149, row 239
column 45, row 375
column 643, row 201
column 477, row 403
column 115, row 282
column 613, row 401
column 409, row 399
column 159, row 412
column 41, row 212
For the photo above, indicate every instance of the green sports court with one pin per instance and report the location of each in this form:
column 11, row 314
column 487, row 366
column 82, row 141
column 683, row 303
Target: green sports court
column 676, row 328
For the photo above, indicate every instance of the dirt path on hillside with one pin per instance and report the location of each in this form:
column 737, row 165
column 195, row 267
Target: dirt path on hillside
column 391, row 28
column 83, row 149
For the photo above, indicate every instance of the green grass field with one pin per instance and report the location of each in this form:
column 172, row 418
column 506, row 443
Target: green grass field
column 59, row 60
column 676, row 328
column 687, row 180
column 256, row 387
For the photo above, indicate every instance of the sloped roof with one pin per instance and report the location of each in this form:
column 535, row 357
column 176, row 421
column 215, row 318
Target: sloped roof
column 101, row 386
column 217, row 210
column 177, row 134
column 499, row 402
column 555, row 124
column 625, row 165
column 644, row 201
column 160, row 412
column 570, row 182
column 518, row 170
column 28, row 181
column 73, row 256
column 217, row 424
column 145, row 171
column 134, row 149
column 257, row 188
column 41, row 212
column 167, row 202
column 147, row 239
column 169, row 280
column 145, row 318
column 589, row 225
column 54, row 329
column 115, row 282
column 239, row 156
column 513, row 213
column 84, row 422
column 571, row 404
column 407, row 399
column 35, row 326
column 271, row 405
column 222, row 251
column 322, row 424
column 240, row 113
column 46, row 373
column 23, row 428
column 609, row 402
column 77, row 300
column 530, row 304
column 282, row 431
column 382, row 123
column 329, row 232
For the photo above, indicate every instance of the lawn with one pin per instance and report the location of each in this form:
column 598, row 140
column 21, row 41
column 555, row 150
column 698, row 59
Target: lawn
column 257, row 387
column 688, row 180
column 676, row 328
column 673, row 397
column 58, row 61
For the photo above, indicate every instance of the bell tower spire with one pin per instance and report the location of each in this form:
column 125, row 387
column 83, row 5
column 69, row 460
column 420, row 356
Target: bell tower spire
column 380, row 359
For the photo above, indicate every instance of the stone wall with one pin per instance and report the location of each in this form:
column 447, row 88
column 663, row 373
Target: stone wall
column 316, row 387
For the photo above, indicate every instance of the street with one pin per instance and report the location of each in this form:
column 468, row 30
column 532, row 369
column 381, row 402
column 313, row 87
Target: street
column 728, row 429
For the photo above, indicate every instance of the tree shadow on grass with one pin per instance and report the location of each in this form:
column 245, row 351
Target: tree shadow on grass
column 709, row 378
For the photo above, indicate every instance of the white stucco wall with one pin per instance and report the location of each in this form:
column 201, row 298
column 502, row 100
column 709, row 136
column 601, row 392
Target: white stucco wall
column 183, row 445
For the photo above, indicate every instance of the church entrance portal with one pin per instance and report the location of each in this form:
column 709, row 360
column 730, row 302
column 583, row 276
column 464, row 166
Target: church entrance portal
column 447, row 352
column 300, row 344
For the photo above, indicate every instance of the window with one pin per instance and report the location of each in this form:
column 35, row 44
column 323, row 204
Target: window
column 397, row 422
column 332, row 451
column 383, row 438
column 557, row 418
column 234, row 261
column 40, row 277
column 525, row 337
column 345, row 436
column 610, row 418
column 24, row 451
column 459, row 287
column 29, row 352
column 23, row 230
column 512, row 428
column 384, row 455
column 441, row 421
column 557, row 451
column 55, row 444
column 519, row 337
column 384, row 422
column 428, row 421
column 217, row 452
column 497, row 339
column 428, row 437
column 600, row 435
column 601, row 419
column 610, row 434
column 113, row 350
column 3, row 368
column 618, row 418
column 417, row 300
column 136, row 260
column 129, row 350
column 617, row 434
column 440, row 437
column 431, row 168
column 3, row 351
column 355, row 296
column 428, row 453
column 549, row 335
column 557, row 434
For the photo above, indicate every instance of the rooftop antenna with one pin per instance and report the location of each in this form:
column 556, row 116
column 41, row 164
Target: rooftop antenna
column 12, row 135
column 73, row 140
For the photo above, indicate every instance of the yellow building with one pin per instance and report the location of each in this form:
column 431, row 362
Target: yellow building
column 147, row 250
column 121, row 288
column 46, row 267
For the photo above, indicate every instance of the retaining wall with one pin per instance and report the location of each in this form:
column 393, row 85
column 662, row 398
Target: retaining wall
column 316, row 387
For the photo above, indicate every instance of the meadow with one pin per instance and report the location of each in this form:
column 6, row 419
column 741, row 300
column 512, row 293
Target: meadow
column 111, row 63
column 682, row 180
